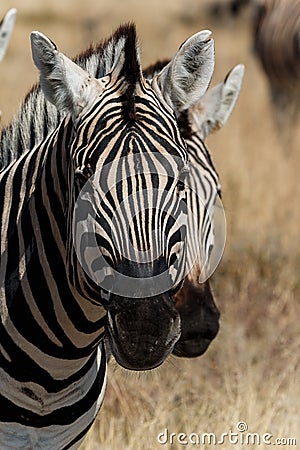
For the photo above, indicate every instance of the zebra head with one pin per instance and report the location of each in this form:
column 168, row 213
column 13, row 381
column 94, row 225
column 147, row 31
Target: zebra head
column 125, row 205
column 206, row 227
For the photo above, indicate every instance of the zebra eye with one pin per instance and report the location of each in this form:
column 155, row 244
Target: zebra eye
column 180, row 186
column 182, row 177
column 210, row 249
column 177, row 247
column 83, row 174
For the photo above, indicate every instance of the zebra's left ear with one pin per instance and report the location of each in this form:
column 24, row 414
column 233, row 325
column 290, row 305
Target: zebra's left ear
column 64, row 83
column 215, row 107
column 184, row 80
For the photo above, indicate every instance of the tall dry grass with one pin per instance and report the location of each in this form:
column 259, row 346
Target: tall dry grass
column 251, row 371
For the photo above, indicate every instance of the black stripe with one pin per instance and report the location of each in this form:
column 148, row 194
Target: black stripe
column 9, row 412
column 79, row 436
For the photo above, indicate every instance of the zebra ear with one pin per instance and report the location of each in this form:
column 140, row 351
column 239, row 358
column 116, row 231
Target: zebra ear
column 64, row 83
column 214, row 108
column 6, row 27
column 187, row 76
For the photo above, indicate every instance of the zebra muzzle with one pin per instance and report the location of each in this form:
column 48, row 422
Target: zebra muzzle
column 142, row 332
column 199, row 319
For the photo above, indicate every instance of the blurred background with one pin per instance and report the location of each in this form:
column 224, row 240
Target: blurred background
column 251, row 371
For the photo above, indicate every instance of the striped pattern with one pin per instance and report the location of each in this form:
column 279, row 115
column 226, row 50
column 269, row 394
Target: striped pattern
column 206, row 232
column 207, row 115
column 203, row 188
column 138, row 167
column 48, row 328
column 53, row 364
column 48, row 117
column 195, row 301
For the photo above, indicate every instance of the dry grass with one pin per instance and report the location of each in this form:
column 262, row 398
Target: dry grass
column 251, row 372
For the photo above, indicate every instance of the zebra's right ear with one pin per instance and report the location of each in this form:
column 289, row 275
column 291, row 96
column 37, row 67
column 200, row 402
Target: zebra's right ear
column 185, row 79
column 64, row 83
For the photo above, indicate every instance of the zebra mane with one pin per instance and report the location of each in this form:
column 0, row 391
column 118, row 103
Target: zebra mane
column 131, row 69
column 37, row 117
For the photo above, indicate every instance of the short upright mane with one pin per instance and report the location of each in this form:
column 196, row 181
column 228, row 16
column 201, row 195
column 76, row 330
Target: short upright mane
column 36, row 117
column 131, row 69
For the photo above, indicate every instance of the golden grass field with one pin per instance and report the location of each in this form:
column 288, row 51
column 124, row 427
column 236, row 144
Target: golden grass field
column 251, row 371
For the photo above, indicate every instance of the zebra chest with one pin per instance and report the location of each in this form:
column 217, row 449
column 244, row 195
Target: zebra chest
column 33, row 418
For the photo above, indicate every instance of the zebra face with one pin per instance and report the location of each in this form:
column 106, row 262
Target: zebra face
column 125, row 209
column 206, row 238
column 206, row 230
column 206, row 226
column 130, row 227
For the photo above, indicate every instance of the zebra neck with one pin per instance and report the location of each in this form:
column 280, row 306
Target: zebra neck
column 37, row 304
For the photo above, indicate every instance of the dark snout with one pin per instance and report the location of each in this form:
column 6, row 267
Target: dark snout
column 199, row 319
column 142, row 332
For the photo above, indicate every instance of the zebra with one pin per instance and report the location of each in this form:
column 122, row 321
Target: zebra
column 198, row 312
column 206, row 239
column 6, row 27
column 275, row 29
column 53, row 314
column 194, row 300
column 276, row 34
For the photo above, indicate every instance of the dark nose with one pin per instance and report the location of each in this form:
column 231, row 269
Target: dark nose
column 142, row 332
column 199, row 319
